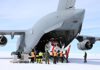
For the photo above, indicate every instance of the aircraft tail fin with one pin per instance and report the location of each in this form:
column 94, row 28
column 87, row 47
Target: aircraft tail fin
column 66, row 4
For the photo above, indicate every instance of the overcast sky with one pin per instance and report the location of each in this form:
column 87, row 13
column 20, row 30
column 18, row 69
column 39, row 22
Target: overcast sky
column 22, row 14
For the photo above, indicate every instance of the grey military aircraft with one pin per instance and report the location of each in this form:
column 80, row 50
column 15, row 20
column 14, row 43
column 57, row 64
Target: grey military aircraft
column 63, row 26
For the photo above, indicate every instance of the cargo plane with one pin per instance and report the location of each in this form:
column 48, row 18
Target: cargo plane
column 62, row 25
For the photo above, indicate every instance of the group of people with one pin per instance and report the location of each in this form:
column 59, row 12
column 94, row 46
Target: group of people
column 55, row 55
column 52, row 56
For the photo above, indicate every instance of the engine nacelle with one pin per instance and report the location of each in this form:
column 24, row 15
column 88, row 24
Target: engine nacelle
column 3, row 40
column 85, row 45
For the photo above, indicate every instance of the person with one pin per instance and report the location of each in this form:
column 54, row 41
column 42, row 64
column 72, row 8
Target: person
column 66, row 53
column 32, row 57
column 61, row 56
column 55, row 57
column 85, row 57
column 47, row 57
column 40, row 57
column 58, row 56
column 37, row 58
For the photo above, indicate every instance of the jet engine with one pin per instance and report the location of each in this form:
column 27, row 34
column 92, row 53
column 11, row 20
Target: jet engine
column 85, row 45
column 3, row 40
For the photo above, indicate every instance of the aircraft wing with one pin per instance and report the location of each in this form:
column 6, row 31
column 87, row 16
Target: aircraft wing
column 9, row 32
column 92, row 39
column 66, row 4
column 12, row 32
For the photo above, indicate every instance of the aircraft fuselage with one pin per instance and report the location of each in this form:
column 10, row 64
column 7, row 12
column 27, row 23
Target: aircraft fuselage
column 66, row 23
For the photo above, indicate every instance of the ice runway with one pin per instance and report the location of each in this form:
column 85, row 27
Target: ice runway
column 76, row 63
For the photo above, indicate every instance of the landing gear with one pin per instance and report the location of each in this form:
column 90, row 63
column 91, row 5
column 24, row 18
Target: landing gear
column 20, row 57
column 15, row 59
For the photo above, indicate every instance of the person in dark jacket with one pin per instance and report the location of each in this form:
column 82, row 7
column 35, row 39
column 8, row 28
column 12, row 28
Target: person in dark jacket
column 85, row 57
column 58, row 56
column 47, row 55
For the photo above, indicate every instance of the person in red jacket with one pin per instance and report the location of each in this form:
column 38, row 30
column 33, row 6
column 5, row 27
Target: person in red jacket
column 66, row 53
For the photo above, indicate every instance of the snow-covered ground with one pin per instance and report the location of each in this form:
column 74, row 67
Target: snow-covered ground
column 76, row 63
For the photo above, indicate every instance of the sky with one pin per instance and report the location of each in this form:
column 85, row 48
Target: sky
column 22, row 14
